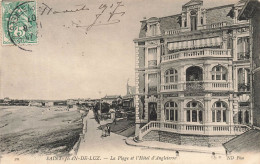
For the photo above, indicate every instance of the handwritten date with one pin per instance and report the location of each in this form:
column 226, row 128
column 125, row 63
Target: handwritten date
column 107, row 14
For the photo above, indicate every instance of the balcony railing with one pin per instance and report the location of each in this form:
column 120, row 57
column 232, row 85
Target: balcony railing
column 196, row 54
column 152, row 89
column 243, row 56
column 220, row 86
column 169, row 87
column 217, row 25
column 172, row 32
column 213, row 25
column 244, row 87
column 193, row 129
column 194, row 86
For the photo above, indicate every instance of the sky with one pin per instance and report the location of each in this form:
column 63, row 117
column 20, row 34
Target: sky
column 68, row 63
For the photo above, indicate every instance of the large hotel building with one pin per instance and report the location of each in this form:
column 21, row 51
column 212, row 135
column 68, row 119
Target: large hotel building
column 193, row 76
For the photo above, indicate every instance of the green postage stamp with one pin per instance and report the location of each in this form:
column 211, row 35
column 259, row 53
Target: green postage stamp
column 19, row 25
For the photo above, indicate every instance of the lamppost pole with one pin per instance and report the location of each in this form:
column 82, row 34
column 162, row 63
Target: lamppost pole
column 100, row 102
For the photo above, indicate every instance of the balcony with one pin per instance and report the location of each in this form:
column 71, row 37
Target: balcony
column 243, row 56
column 169, row 87
column 195, row 86
column 152, row 90
column 196, row 54
column 193, row 129
column 244, row 87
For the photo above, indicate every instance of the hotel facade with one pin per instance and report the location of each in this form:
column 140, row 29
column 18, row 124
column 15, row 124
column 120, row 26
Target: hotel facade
column 192, row 76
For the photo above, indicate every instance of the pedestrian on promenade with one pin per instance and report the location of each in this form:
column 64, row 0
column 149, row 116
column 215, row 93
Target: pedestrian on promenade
column 108, row 130
column 115, row 121
column 177, row 153
column 213, row 156
column 86, row 125
column 104, row 131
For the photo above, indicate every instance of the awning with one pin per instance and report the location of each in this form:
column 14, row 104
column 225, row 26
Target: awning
column 216, row 41
column 246, row 142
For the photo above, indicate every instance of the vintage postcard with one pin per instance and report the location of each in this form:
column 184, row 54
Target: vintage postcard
column 129, row 81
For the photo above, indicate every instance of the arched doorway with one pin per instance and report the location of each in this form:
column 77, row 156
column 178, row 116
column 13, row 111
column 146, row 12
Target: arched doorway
column 152, row 109
column 194, row 73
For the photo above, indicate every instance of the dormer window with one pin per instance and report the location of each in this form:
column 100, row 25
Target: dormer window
column 193, row 20
column 153, row 29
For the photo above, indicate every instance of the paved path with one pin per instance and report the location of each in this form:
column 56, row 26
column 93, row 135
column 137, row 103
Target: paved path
column 114, row 145
column 94, row 143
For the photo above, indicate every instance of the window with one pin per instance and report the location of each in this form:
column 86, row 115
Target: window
column 171, row 76
column 213, row 116
column 194, row 104
column 193, row 20
column 243, row 48
column 152, row 83
column 246, row 116
column 194, row 112
column 200, row 116
column 194, row 116
column 219, row 73
column 218, row 115
column 194, row 73
column 244, row 112
column 153, row 29
column 219, row 112
column 243, row 79
column 239, row 117
column 188, row 115
column 224, row 117
column 171, row 111
column 201, row 20
column 152, row 57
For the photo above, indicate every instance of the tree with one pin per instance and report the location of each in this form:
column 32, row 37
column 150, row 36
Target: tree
column 104, row 107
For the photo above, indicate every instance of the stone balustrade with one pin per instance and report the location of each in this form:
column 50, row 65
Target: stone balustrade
column 196, row 54
column 211, row 26
column 217, row 25
column 197, row 86
column 172, row 32
column 193, row 129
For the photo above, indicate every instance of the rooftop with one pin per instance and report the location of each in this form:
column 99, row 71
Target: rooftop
column 214, row 15
column 111, row 97
column 246, row 142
